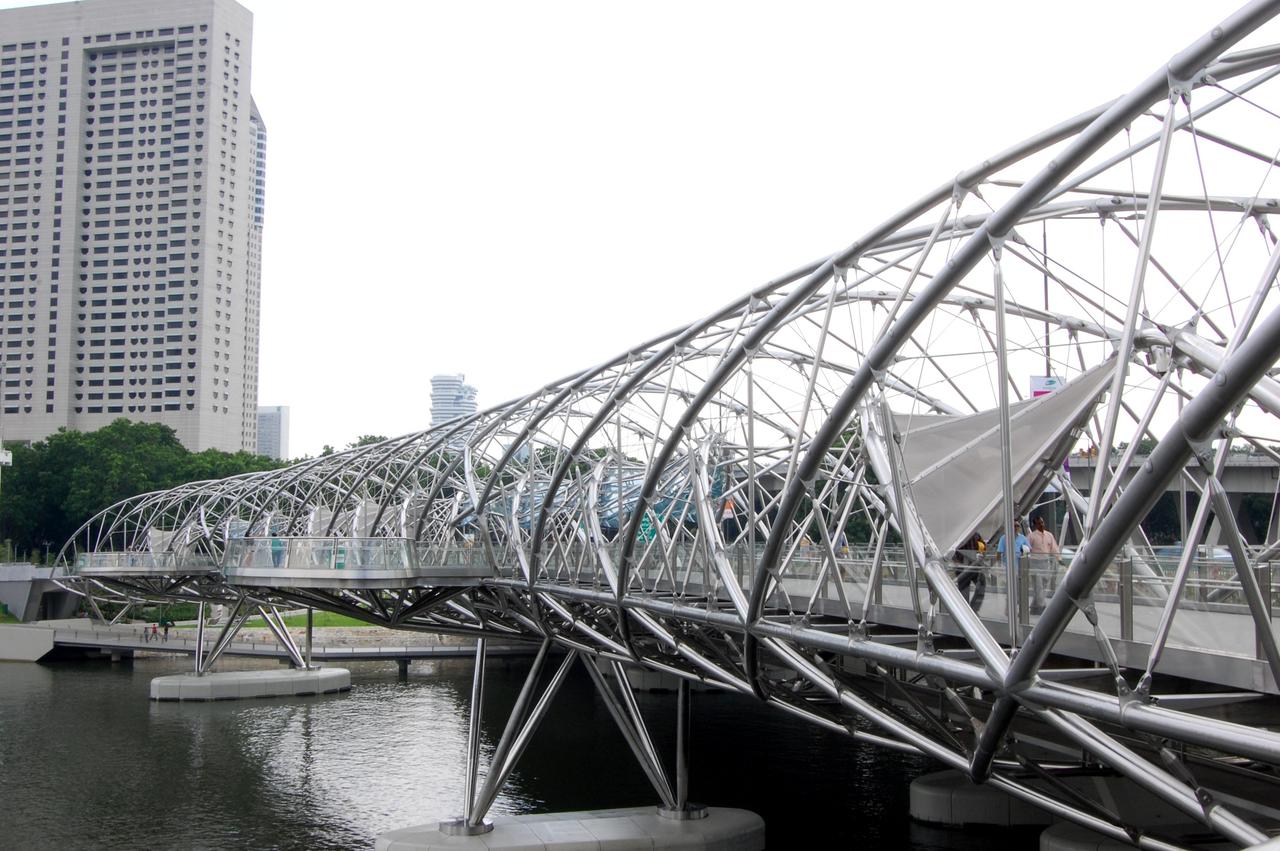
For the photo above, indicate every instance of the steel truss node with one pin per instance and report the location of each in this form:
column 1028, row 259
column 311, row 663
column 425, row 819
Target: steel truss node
column 777, row 498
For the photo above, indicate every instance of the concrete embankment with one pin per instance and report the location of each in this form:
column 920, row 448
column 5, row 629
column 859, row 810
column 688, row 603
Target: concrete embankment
column 31, row 642
column 357, row 636
column 24, row 643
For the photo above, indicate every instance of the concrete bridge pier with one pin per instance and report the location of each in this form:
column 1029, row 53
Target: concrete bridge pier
column 302, row 678
column 631, row 827
column 677, row 823
column 402, row 669
column 949, row 798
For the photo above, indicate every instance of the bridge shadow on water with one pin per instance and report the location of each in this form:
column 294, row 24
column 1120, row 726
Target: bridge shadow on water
column 86, row 761
column 813, row 788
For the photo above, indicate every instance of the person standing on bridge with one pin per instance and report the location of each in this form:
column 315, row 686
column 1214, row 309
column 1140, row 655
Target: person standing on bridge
column 970, row 572
column 1021, row 547
column 167, row 623
column 1044, row 562
column 155, row 632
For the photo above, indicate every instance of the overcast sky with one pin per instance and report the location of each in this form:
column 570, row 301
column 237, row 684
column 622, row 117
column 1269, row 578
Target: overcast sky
column 518, row 190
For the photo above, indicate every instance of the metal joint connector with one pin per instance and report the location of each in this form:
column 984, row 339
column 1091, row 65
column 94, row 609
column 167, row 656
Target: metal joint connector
column 1106, row 207
column 1203, row 452
column 1180, row 89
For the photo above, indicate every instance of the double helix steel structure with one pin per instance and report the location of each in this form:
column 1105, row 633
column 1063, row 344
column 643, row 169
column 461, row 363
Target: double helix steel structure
column 780, row 499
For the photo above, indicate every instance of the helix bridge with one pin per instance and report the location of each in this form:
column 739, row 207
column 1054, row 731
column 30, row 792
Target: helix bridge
column 778, row 499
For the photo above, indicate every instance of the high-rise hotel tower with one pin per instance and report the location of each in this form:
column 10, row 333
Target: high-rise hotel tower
column 451, row 397
column 131, row 193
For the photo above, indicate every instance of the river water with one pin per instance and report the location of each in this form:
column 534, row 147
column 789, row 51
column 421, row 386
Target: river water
column 87, row 761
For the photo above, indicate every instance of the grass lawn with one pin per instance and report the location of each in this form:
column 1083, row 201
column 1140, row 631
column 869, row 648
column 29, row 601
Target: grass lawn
column 5, row 617
column 319, row 619
column 300, row 621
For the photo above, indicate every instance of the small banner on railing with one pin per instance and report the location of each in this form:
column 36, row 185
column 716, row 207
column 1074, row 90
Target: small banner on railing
column 1043, row 385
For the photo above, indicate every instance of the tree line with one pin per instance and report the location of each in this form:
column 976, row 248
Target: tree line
column 58, row 483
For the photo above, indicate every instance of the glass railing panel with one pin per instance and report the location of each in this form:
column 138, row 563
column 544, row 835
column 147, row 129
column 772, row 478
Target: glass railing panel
column 319, row 554
column 163, row 562
column 1213, row 613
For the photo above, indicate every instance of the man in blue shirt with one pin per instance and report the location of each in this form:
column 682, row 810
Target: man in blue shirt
column 1020, row 543
column 1021, row 546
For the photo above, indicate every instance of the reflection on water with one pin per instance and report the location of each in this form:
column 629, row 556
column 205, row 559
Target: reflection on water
column 87, row 761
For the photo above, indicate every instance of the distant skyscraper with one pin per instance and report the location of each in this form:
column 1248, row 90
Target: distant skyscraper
column 451, row 398
column 273, row 431
column 131, row 195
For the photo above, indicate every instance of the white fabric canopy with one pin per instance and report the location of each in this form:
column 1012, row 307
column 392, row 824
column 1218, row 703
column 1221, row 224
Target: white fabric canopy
column 159, row 540
column 952, row 463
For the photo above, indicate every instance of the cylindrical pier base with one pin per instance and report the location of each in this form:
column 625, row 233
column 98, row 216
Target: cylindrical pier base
column 948, row 797
column 634, row 827
column 234, row 685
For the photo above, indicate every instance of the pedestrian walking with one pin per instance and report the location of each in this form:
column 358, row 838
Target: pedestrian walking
column 155, row 632
column 1021, row 547
column 1044, row 563
column 167, row 623
column 971, row 577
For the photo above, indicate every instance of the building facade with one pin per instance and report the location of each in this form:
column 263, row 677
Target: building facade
column 273, row 431
column 131, row 186
column 451, row 397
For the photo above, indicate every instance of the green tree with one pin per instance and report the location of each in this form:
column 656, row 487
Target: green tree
column 57, row 484
column 214, row 464
column 365, row 440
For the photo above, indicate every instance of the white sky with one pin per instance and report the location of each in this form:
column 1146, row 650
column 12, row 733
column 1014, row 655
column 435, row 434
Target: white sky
column 519, row 190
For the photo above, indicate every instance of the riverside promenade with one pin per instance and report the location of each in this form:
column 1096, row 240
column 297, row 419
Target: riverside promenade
column 330, row 644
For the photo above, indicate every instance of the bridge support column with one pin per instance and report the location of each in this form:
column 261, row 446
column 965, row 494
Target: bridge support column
column 310, row 627
column 626, row 714
column 402, row 668
column 682, row 745
column 120, row 615
column 683, row 810
column 473, row 743
column 300, row 681
column 200, row 639
column 635, row 827
column 521, row 725
column 238, row 616
column 275, row 623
